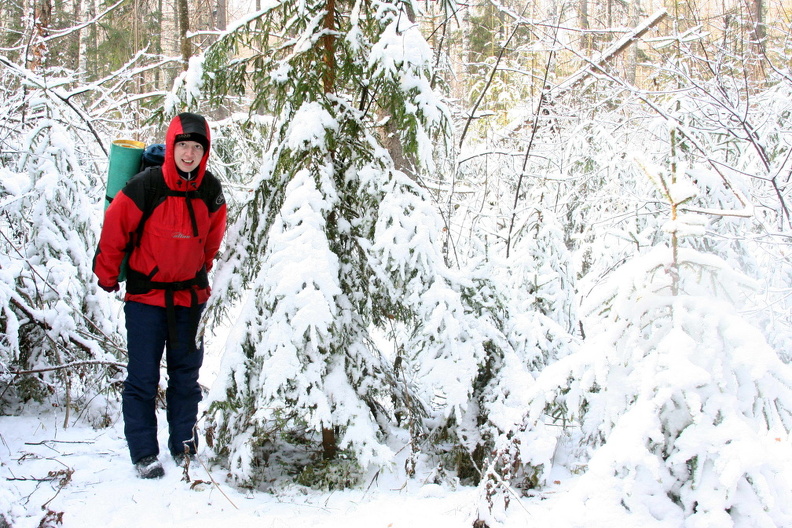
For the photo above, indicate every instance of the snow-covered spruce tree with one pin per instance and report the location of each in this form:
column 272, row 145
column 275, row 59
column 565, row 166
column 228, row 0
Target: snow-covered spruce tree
column 530, row 321
column 56, row 343
column 525, row 320
column 334, row 244
column 685, row 408
column 510, row 225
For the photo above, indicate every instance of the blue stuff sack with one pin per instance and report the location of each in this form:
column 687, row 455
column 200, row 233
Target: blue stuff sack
column 153, row 156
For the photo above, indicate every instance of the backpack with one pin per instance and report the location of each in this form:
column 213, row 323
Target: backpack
column 150, row 156
column 153, row 156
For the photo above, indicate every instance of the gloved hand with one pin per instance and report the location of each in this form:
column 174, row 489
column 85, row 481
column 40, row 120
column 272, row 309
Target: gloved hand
column 109, row 289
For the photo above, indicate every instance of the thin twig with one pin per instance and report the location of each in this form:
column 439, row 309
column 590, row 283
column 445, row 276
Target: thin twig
column 543, row 99
column 73, row 364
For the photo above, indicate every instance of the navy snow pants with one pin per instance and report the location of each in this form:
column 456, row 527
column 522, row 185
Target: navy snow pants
column 147, row 337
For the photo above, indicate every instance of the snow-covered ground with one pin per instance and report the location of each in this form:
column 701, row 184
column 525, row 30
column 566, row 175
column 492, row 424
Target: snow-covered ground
column 83, row 476
column 86, row 475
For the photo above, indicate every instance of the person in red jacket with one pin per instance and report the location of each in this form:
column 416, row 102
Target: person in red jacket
column 171, row 221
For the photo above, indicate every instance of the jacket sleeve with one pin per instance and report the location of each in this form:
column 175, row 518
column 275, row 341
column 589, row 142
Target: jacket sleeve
column 217, row 227
column 120, row 222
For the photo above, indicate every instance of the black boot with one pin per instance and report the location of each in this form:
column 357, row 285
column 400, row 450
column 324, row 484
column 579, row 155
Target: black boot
column 149, row 467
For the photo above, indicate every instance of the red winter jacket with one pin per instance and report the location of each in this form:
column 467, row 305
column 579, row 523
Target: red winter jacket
column 171, row 248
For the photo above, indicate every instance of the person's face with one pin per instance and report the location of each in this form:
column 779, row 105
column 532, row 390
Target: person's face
column 188, row 155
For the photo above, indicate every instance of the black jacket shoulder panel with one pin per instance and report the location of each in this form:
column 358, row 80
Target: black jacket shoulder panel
column 211, row 192
column 148, row 188
column 143, row 185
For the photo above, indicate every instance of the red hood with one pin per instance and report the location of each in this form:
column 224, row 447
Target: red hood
column 183, row 124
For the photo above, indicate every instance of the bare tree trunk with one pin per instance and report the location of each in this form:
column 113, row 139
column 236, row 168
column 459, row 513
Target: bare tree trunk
column 391, row 140
column 329, row 447
column 759, row 35
column 609, row 13
column 329, row 47
column 221, row 20
column 329, row 441
column 583, row 16
column 156, row 40
column 183, row 15
column 632, row 58
column 42, row 14
column 81, row 48
column 759, row 22
column 221, row 23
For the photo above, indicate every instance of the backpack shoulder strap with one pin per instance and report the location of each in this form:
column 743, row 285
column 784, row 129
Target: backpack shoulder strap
column 154, row 192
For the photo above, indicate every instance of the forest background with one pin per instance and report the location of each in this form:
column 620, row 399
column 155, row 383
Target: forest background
column 484, row 235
